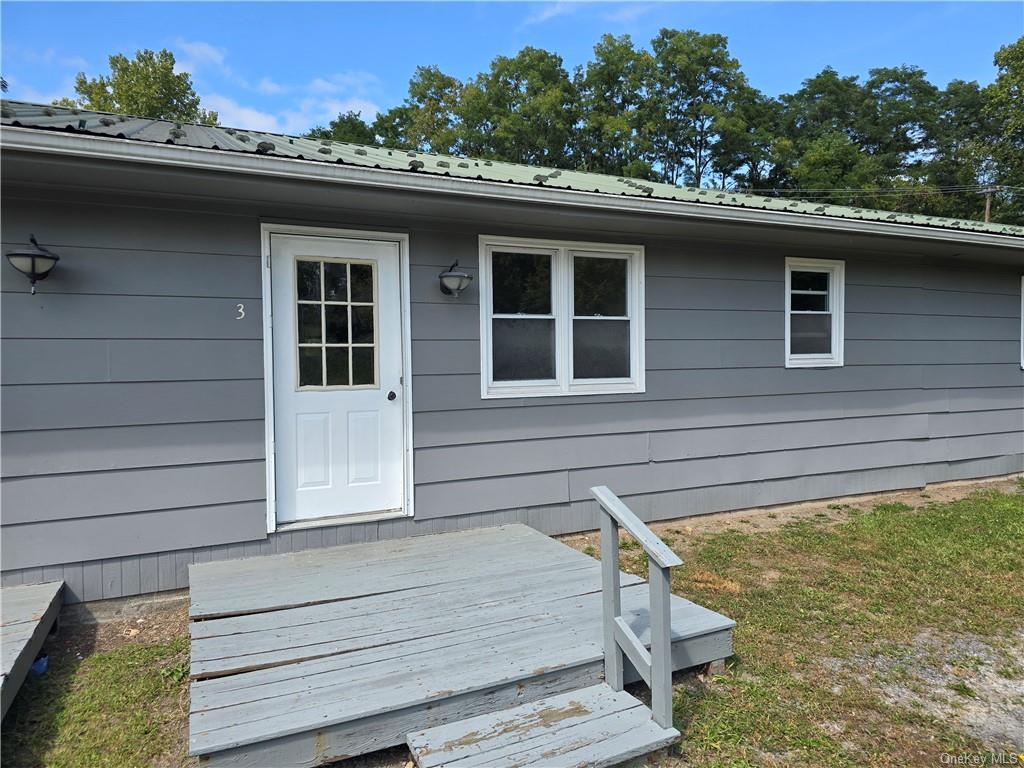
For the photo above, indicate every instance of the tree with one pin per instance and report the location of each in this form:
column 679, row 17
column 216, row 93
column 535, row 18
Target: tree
column 146, row 86
column 392, row 128
column 692, row 91
column 433, row 103
column 751, row 149
column 960, row 155
column 348, row 126
column 1004, row 104
column 826, row 103
column 899, row 117
column 835, row 162
column 611, row 90
column 522, row 110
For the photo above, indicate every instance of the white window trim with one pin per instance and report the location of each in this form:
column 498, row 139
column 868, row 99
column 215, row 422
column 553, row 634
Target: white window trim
column 837, row 290
column 561, row 280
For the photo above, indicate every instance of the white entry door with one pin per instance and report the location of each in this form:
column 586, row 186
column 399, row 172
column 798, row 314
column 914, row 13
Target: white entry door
column 336, row 315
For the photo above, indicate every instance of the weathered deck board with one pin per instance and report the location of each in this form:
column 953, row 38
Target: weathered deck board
column 592, row 727
column 26, row 615
column 316, row 576
column 311, row 656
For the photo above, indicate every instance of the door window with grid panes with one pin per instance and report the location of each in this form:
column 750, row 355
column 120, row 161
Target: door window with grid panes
column 336, row 305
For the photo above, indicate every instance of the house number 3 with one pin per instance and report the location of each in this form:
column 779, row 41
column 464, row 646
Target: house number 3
column 240, row 308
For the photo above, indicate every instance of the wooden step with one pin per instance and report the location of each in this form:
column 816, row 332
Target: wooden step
column 26, row 615
column 592, row 727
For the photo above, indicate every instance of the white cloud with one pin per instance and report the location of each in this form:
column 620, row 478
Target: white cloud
column 356, row 81
column 298, row 119
column 198, row 54
column 628, row 13
column 266, row 85
column 235, row 115
column 320, row 112
column 547, row 12
column 20, row 91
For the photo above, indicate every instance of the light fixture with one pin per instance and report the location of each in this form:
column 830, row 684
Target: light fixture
column 454, row 280
column 34, row 262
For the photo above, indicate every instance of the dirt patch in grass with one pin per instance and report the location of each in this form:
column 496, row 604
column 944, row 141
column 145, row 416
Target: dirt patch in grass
column 970, row 681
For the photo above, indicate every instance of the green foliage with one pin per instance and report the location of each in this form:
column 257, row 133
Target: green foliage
column 683, row 112
column 349, row 127
column 1004, row 105
column 146, row 86
column 612, row 93
column 693, row 91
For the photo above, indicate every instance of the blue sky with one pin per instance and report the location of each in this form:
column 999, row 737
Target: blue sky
column 287, row 66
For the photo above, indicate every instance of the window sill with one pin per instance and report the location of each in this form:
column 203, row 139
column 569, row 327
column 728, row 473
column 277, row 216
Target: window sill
column 814, row 363
column 512, row 393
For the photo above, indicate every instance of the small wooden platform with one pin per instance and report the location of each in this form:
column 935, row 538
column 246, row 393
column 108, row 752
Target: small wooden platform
column 590, row 728
column 26, row 615
column 306, row 658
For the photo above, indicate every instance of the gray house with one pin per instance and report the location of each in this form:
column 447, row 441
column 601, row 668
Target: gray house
column 257, row 343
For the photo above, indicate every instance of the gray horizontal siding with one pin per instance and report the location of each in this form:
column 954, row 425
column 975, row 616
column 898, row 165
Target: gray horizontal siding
column 89, row 538
column 86, row 361
column 55, row 451
column 448, row 356
column 500, row 492
column 132, row 398
column 92, row 316
column 139, row 574
column 132, row 410
column 68, row 406
column 106, row 271
column 461, row 391
column 32, row 500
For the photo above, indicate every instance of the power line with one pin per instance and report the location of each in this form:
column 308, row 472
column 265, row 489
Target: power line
column 888, row 190
column 817, row 194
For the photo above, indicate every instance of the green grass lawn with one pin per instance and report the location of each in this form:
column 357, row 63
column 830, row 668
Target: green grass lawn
column 841, row 628
column 827, row 612
column 118, row 709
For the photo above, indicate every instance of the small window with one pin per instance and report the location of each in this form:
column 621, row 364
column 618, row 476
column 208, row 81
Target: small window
column 560, row 318
column 335, row 306
column 814, row 313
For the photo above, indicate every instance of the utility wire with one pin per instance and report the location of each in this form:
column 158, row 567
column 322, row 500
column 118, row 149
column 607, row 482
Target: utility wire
column 887, row 190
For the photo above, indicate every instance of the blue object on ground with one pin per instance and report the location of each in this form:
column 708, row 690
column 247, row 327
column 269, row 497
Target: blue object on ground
column 40, row 665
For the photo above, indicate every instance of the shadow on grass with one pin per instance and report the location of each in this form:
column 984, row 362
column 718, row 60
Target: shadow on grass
column 38, row 713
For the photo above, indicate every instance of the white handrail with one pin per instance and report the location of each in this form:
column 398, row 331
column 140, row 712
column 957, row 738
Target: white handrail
column 654, row 666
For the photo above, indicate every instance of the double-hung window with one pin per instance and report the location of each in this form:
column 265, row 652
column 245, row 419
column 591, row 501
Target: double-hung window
column 560, row 318
column 814, row 313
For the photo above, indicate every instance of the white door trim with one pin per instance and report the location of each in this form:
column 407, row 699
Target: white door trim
column 268, row 229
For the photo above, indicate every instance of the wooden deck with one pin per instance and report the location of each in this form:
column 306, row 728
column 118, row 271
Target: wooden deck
column 26, row 615
column 307, row 658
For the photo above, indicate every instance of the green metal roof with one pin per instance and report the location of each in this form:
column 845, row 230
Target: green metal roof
column 46, row 117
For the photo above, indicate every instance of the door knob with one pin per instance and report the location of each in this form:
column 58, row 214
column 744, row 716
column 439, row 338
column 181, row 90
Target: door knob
column 392, row 395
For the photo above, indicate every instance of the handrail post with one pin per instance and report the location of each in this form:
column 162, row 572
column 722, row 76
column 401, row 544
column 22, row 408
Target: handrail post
column 661, row 644
column 619, row 639
column 611, row 600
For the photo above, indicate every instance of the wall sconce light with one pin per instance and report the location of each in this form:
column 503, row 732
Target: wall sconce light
column 34, row 262
column 454, row 280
